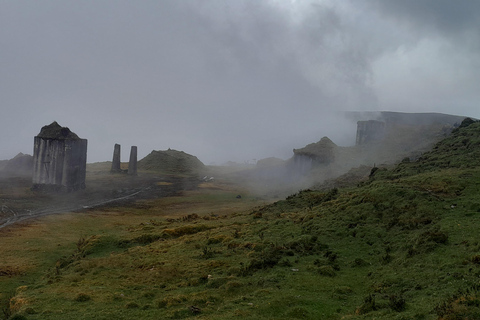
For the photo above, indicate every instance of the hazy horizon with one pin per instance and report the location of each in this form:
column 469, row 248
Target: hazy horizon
column 227, row 81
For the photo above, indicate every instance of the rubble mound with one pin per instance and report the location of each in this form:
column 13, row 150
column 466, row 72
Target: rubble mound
column 20, row 165
column 57, row 132
column 321, row 151
column 171, row 161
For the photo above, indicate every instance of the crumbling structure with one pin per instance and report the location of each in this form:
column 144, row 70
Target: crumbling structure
column 370, row 131
column 314, row 154
column 321, row 152
column 132, row 164
column 59, row 159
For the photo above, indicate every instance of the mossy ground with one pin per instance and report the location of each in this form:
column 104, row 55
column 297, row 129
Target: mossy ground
column 403, row 245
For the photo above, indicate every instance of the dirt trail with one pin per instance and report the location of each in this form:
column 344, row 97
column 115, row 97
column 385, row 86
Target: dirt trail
column 18, row 205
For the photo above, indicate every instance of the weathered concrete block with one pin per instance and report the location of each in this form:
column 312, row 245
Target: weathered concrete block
column 59, row 159
column 132, row 164
column 116, row 159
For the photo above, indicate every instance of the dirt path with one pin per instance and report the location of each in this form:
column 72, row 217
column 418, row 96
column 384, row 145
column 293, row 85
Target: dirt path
column 101, row 193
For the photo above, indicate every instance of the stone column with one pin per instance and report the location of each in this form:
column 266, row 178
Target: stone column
column 116, row 158
column 132, row 164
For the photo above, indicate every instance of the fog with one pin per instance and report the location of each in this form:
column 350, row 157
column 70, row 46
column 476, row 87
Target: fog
column 228, row 80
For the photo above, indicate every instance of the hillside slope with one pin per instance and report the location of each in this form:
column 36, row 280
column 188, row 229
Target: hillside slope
column 402, row 245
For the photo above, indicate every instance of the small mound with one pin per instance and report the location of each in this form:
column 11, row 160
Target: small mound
column 20, row 165
column 171, row 161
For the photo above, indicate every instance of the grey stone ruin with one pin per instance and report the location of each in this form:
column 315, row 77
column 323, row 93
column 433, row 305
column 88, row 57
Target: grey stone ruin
column 116, row 159
column 132, row 164
column 59, row 159
column 370, row 131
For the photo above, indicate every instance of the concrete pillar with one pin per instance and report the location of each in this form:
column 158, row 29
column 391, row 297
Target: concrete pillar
column 132, row 164
column 116, row 158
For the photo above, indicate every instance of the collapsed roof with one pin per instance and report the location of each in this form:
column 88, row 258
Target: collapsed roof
column 57, row 132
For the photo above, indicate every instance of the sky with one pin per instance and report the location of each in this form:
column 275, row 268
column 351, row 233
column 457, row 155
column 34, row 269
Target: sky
column 229, row 80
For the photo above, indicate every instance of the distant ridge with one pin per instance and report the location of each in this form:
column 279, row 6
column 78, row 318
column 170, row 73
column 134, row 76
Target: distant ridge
column 20, row 165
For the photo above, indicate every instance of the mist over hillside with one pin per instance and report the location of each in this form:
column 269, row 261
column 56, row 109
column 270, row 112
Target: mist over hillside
column 383, row 139
column 269, row 182
column 402, row 243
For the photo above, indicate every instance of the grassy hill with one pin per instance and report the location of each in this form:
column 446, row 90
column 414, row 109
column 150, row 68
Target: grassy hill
column 171, row 161
column 402, row 245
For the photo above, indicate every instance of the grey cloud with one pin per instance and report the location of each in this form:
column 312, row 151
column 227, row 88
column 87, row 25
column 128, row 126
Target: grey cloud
column 444, row 16
column 218, row 79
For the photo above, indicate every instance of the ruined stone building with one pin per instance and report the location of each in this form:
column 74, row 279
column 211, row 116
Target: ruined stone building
column 132, row 164
column 370, row 131
column 59, row 159
column 314, row 154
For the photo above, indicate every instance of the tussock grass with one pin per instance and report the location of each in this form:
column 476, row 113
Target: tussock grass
column 402, row 245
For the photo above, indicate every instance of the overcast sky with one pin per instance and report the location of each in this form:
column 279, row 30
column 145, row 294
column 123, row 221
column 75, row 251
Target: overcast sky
column 228, row 80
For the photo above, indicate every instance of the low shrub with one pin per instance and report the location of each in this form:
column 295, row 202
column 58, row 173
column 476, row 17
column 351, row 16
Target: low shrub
column 367, row 306
column 17, row 317
column 476, row 259
column 396, row 303
column 82, row 297
column 328, row 271
column 297, row 313
column 185, row 230
column 171, row 301
column 132, row 305
column 342, row 290
column 359, row 262
column 217, row 282
column 233, row 285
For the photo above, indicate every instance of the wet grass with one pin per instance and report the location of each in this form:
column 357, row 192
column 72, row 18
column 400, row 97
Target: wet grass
column 403, row 245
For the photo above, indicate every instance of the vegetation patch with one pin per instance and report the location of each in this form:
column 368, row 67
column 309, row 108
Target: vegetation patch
column 403, row 244
column 185, row 230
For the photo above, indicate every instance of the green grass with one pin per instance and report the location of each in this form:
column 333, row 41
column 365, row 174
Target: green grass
column 403, row 245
